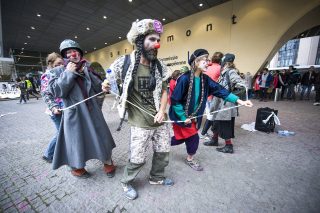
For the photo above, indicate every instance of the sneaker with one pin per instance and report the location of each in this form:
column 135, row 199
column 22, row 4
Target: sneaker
column 129, row 191
column 212, row 142
column 164, row 182
column 48, row 160
column 316, row 104
column 194, row 165
column 205, row 136
column 226, row 149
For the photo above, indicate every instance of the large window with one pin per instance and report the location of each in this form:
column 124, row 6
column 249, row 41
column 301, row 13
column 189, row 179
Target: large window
column 288, row 53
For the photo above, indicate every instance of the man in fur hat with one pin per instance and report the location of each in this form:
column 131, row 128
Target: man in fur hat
column 145, row 81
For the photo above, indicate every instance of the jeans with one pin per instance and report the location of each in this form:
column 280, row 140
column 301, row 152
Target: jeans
column 291, row 93
column 56, row 119
column 22, row 98
column 304, row 88
column 263, row 92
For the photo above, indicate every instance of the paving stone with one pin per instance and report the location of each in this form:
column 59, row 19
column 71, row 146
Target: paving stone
column 267, row 173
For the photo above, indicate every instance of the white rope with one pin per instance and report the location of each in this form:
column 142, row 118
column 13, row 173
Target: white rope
column 81, row 101
column 168, row 121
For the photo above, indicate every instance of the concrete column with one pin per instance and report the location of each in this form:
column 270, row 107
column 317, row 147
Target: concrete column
column 307, row 51
column 313, row 50
column 274, row 62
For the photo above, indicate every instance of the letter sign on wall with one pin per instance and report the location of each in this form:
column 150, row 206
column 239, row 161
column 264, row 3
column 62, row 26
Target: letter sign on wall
column 170, row 38
column 209, row 26
column 111, row 54
column 188, row 32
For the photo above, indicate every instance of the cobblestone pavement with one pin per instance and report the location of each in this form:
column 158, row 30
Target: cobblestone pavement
column 267, row 173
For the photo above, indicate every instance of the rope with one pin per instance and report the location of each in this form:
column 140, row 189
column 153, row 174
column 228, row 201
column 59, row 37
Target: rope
column 167, row 121
column 63, row 109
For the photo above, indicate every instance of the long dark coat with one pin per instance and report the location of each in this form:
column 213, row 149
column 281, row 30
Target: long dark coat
column 83, row 133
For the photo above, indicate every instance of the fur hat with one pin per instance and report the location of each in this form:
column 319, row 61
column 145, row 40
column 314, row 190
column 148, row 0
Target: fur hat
column 197, row 53
column 144, row 27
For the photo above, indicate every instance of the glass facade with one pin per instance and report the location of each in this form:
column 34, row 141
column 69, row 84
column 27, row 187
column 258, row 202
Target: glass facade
column 288, row 53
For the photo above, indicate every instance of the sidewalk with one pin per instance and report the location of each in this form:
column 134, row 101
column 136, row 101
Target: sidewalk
column 267, row 173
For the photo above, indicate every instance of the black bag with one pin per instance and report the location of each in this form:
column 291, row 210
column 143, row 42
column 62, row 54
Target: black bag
column 262, row 114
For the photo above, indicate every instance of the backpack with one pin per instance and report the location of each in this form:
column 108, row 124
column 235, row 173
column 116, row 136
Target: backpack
column 262, row 115
column 240, row 92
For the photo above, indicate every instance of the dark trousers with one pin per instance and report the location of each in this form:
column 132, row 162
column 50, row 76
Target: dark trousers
column 283, row 91
column 192, row 143
column 263, row 92
column 22, row 98
column 291, row 93
column 30, row 92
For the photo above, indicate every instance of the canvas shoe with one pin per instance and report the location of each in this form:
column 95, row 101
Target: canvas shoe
column 129, row 191
column 164, row 182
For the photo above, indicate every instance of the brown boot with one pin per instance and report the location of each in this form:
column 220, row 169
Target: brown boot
column 110, row 170
column 80, row 173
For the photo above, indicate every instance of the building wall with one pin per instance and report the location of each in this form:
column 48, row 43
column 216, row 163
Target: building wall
column 260, row 25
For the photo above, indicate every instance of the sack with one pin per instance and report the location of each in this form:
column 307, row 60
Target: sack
column 262, row 124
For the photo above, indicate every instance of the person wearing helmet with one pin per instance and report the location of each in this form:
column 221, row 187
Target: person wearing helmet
column 146, row 82
column 83, row 133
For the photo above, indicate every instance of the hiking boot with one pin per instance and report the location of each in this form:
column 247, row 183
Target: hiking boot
column 129, row 191
column 80, row 173
column 228, row 148
column 194, row 164
column 164, row 182
column 212, row 142
column 110, row 170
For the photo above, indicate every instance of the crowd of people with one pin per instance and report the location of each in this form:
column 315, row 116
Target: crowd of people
column 207, row 85
column 285, row 84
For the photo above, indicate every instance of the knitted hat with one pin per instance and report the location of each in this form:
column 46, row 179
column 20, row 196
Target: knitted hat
column 197, row 53
column 144, row 27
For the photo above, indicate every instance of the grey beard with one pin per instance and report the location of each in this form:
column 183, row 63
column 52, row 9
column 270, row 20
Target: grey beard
column 150, row 54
